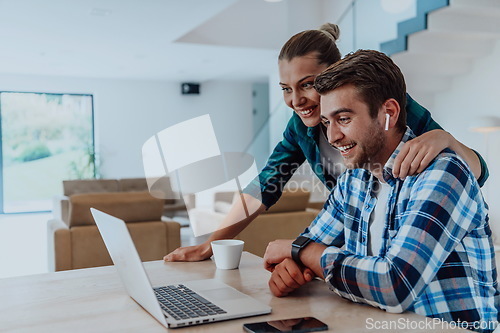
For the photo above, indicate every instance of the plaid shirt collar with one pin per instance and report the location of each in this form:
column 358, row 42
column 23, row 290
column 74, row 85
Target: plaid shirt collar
column 389, row 165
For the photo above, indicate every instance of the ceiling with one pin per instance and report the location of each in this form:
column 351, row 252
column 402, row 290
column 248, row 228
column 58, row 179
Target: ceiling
column 173, row 40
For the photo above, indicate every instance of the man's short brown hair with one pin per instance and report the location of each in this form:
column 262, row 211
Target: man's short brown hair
column 375, row 76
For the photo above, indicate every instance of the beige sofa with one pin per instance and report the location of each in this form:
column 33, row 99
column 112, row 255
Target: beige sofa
column 77, row 243
column 285, row 220
column 171, row 207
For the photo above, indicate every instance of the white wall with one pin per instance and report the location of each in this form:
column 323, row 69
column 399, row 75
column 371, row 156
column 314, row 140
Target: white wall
column 470, row 96
column 128, row 112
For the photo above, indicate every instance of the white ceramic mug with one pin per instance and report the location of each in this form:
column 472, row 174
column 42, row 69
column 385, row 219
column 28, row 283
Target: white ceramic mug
column 227, row 253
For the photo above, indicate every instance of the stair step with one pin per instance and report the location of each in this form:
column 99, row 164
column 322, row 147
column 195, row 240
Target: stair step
column 432, row 64
column 456, row 21
column 418, row 84
column 450, row 43
column 475, row 3
column 474, row 10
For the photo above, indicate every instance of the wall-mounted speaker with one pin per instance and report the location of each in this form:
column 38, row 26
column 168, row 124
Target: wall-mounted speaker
column 190, row 88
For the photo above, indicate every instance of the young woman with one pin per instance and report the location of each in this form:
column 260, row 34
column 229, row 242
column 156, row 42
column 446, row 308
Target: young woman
column 301, row 59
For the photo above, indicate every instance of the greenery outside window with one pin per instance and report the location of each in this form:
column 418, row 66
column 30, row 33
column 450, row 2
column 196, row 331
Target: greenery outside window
column 45, row 138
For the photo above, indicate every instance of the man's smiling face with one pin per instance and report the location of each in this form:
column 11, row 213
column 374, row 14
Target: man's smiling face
column 350, row 128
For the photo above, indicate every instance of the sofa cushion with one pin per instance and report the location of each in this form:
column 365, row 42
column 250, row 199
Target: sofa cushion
column 269, row 227
column 291, row 200
column 88, row 249
column 71, row 187
column 133, row 184
column 128, row 206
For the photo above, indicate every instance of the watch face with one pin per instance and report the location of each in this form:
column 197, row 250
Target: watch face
column 301, row 241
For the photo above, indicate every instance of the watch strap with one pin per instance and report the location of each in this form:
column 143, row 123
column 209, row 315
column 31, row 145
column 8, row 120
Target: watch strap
column 297, row 246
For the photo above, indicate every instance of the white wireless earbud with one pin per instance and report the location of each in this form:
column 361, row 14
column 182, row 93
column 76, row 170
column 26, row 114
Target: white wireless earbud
column 387, row 118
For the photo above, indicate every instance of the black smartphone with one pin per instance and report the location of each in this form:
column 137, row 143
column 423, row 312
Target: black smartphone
column 295, row 325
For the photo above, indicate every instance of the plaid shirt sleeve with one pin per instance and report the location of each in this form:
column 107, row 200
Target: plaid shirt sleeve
column 441, row 208
column 328, row 227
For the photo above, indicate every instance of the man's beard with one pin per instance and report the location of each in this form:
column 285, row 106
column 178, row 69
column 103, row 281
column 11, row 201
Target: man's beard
column 374, row 142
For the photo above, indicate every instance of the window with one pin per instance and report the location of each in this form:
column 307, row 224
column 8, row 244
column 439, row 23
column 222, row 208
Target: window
column 45, row 138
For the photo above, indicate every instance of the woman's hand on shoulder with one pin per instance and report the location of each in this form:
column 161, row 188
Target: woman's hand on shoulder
column 418, row 153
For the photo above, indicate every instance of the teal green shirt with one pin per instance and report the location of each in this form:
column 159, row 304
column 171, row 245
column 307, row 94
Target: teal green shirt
column 300, row 143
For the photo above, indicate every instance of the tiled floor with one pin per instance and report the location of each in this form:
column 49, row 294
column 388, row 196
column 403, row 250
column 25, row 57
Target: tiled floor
column 23, row 243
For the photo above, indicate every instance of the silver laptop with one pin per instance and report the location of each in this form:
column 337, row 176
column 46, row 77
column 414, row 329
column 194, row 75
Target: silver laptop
column 190, row 303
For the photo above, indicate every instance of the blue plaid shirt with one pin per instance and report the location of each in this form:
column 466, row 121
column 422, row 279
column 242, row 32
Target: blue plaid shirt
column 437, row 257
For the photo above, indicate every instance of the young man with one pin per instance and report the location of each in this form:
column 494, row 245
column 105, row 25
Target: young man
column 422, row 244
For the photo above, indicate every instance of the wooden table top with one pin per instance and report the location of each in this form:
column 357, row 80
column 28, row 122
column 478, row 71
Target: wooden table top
column 94, row 300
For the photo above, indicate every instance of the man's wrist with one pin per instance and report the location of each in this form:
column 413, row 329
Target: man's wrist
column 297, row 246
column 311, row 257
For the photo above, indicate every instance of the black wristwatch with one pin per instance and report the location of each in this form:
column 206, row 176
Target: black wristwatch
column 297, row 246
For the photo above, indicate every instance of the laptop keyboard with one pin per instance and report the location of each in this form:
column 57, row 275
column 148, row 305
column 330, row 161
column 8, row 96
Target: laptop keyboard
column 182, row 303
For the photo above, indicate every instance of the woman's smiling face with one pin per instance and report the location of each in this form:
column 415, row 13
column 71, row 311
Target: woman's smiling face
column 297, row 82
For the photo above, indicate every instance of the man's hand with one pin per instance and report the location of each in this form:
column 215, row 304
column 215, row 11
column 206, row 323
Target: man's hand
column 276, row 252
column 190, row 253
column 288, row 276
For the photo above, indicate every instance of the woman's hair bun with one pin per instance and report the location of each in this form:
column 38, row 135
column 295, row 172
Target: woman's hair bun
column 331, row 29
